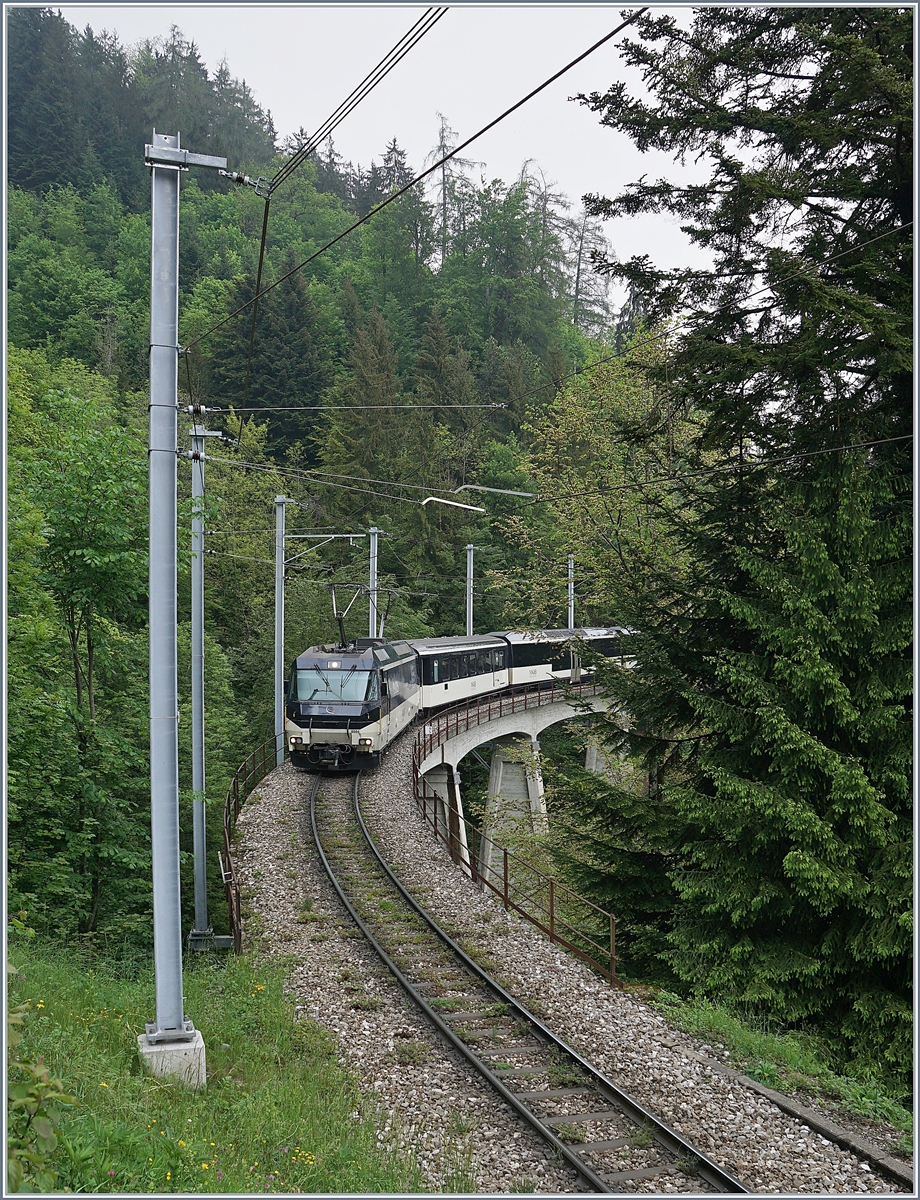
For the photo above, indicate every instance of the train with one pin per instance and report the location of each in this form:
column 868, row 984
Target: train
column 345, row 704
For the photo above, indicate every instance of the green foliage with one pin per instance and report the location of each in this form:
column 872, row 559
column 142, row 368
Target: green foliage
column 82, row 106
column 78, row 823
column 768, row 697
column 278, row 1112
column 783, row 1058
column 34, row 1100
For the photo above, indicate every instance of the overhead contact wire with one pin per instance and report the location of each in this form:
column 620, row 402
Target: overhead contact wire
column 255, row 307
column 400, row 50
column 748, row 464
column 721, row 309
column 317, row 477
column 423, row 175
column 351, row 407
column 427, row 21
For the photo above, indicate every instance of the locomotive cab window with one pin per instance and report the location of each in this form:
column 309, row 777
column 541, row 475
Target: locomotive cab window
column 323, row 686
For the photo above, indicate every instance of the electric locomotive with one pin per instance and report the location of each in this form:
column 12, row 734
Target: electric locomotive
column 346, row 703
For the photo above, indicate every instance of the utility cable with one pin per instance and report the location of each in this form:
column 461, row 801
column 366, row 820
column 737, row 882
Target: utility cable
column 650, row 339
column 418, row 178
column 422, row 26
column 291, row 472
column 349, row 407
column 255, row 307
column 733, row 466
column 427, row 21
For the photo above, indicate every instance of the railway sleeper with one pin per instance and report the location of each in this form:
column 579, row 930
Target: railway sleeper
column 487, row 1028
column 602, row 1114
column 636, row 1173
column 552, row 1093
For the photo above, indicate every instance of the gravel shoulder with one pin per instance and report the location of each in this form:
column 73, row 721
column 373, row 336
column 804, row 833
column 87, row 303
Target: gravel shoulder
column 464, row 1139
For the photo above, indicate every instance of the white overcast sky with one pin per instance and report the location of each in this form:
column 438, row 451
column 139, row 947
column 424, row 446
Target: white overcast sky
column 302, row 60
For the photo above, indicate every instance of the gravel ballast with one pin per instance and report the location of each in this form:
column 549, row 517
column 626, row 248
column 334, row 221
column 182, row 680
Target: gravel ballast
column 427, row 1099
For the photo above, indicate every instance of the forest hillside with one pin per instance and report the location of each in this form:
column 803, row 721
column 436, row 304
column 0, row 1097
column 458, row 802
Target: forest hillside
column 727, row 456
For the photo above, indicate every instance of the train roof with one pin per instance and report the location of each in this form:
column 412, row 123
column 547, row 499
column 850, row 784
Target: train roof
column 425, row 646
column 335, row 657
column 390, row 652
column 586, row 633
column 365, row 654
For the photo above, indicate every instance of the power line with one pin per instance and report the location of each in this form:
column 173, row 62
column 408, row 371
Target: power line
column 322, row 477
column 291, row 473
column 348, row 408
column 383, row 68
column 426, row 22
column 245, row 557
column 650, row 339
column 415, row 487
column 418, row 178
column 734, row 466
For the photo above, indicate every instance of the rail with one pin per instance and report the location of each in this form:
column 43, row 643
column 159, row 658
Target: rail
column 569, row 919
column 251, row 771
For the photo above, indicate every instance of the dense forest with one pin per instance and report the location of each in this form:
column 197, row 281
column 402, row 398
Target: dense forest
column 727, row 456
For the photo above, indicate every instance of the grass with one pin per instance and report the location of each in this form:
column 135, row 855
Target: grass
column 522, row 1184
column 570, row 1133
column 784, row 1060
column 367, row 1003
column 447, row 1004
column 561, row 1073
column 411, row 1052
column 278, row 1115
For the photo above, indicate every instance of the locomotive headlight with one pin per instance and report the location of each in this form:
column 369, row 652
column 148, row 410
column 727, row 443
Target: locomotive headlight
column 296, row 741
column 365, row 741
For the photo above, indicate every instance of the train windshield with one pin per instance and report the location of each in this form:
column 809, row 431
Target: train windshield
column 323, row 686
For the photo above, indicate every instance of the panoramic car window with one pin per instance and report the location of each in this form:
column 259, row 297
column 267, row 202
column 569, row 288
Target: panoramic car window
column 323, row 686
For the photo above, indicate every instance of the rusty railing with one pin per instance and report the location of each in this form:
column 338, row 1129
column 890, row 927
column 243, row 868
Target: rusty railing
column 522, row 887
column 249, row 774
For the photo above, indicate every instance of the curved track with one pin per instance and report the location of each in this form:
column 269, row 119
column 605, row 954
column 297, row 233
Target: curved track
column 613, row 1143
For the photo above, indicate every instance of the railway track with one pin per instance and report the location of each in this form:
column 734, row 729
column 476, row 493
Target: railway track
column 612, row 1142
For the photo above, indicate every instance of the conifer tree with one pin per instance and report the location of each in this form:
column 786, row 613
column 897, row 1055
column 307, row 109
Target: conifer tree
column 293, row 353
column 771, row 692
column 365, row 441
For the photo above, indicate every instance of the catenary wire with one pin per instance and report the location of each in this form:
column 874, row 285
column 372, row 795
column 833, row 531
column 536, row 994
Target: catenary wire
column 291, row 472
column 426, row 22
column 418, row 178
column 347, row 408
column 651, row 338
column 733, row 466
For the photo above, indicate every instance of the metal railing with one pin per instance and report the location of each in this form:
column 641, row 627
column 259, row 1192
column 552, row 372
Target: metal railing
column 469, row 713
column 569, row 919
column 249, row 774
